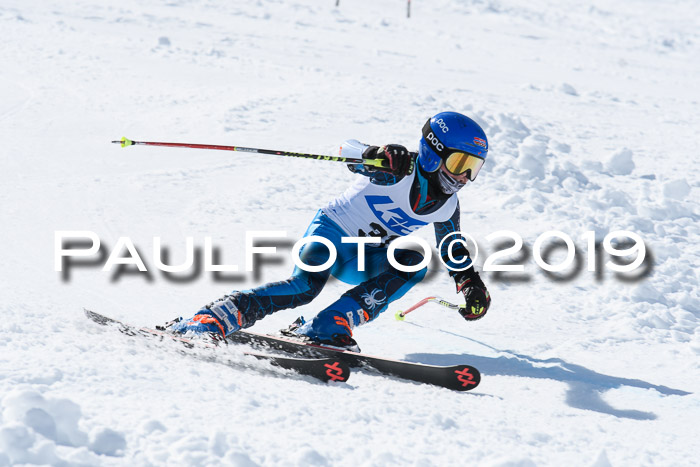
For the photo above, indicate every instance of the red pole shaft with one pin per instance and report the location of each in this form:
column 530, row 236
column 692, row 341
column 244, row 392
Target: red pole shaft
column 348, row 160
column 417, row 305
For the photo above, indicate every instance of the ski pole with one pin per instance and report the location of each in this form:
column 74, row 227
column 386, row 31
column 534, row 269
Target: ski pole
column 348, row 160
column 400, row 315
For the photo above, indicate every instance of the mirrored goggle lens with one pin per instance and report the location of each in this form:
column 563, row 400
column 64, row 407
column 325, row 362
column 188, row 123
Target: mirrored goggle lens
column 458, row 163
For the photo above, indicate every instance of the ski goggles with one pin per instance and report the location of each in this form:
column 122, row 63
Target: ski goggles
column 457, row 162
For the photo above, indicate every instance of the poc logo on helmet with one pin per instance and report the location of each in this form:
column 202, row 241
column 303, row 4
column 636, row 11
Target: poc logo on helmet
column 435, row 142
column 443, row 126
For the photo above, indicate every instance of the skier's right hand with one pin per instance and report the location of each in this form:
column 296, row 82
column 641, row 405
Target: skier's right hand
column 399, row 159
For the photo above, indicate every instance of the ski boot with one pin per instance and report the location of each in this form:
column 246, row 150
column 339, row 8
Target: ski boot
column 192, row 329
column 219, row 319
column 297, row 329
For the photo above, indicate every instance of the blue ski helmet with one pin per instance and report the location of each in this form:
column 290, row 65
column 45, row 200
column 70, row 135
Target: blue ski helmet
column 455, row 140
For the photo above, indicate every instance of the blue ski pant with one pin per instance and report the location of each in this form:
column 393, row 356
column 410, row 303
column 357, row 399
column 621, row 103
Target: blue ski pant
column 376, row 287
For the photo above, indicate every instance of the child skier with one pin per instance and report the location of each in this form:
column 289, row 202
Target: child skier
column 415, row 189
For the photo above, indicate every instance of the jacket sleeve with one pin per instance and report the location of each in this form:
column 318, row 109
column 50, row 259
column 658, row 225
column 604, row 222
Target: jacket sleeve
column 355, row 149
column 459, row 250
column 375, row 176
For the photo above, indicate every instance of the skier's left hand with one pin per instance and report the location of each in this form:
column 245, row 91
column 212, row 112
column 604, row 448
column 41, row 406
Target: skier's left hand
column 398, row 157
column 477, row 298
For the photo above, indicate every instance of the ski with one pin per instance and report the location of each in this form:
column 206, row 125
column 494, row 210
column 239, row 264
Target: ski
column 455, row 377
column 325, row 368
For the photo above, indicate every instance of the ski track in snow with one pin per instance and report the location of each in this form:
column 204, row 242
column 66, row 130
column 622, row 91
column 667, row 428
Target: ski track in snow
column 592, row 115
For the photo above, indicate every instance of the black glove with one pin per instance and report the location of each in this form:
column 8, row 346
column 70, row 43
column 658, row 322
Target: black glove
column 400, row 160
column 477, row 298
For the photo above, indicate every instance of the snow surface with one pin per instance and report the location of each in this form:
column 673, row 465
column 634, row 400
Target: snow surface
column 592, row 113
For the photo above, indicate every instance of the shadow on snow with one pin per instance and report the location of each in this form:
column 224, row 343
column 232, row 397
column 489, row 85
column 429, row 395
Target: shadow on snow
column 585, row 386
